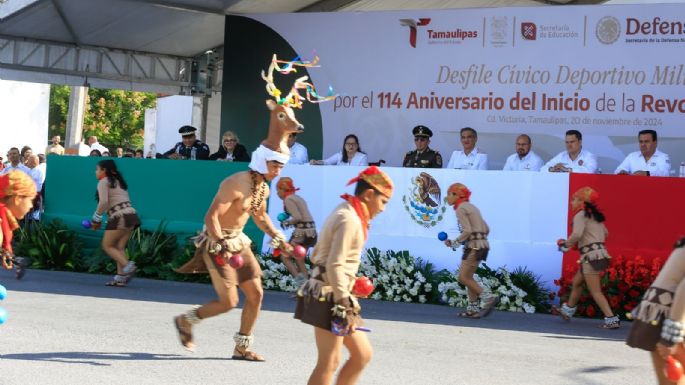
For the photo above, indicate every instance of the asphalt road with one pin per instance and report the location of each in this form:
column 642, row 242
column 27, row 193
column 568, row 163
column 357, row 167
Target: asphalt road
column 67, row 328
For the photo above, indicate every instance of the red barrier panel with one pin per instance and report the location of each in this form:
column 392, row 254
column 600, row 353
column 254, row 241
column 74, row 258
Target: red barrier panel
column 645, row 216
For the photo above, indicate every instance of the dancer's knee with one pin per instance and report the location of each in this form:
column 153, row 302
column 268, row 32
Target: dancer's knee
column 362, row 358
column 228, row 302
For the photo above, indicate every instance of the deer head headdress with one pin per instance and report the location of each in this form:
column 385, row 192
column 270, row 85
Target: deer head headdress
column 283, row 122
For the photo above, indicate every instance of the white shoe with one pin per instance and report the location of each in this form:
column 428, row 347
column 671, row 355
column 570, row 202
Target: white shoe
column 130, row 268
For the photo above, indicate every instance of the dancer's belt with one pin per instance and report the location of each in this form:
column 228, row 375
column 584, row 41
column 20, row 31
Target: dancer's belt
column 119, row 206
column 478, row 236
column 305, row 225
column 591, row 247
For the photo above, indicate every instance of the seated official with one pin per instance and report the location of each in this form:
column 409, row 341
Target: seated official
column 422, row 156
column 231, row 150
column 351, row 155
column 649, row 161
column 574, row 159
column 524, row 159
column 470, row 158
column 298, row 152
column 189, row 147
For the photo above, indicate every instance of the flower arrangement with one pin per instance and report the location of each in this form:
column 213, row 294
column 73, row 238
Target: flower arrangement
column 498, row 282
column 275, row 275
column 397, row 276
column 623, row 283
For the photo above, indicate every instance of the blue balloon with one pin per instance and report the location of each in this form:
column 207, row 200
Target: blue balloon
column 3, row 292
column 442, row 236
column 86, row 223
column 3, row 316
column 283, row 216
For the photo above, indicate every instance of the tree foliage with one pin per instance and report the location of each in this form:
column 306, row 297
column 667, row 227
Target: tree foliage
column 116, row 117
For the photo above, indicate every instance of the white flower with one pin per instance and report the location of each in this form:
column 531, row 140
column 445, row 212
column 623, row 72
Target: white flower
column 528, row 308
column 428, row 287
column 422, row 299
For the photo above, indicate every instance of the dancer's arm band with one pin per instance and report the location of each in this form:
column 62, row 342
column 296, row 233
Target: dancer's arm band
column 672, row 332
column 277, row 240
column 97, row 217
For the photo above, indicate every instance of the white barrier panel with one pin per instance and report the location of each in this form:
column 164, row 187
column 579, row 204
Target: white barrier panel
column 526, row 212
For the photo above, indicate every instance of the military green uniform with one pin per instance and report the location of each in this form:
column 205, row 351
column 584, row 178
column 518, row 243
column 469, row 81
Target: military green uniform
column 424, row 159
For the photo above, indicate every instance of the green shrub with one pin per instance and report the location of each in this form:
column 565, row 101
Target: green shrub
column 532, row 284
column 50, row 246
column 152, row 251
column 182, row 256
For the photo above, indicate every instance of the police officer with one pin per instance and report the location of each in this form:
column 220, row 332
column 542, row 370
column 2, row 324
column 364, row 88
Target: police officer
column 422, row 157
column 189, row 147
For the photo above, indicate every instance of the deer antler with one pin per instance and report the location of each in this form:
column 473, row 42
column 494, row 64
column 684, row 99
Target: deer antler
column 294, row 98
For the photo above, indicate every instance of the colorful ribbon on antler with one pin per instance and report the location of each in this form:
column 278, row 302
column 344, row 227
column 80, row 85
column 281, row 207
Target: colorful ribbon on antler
column 294, row 98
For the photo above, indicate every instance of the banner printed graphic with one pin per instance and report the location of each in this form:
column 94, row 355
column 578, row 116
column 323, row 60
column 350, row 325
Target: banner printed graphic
column 607, row 71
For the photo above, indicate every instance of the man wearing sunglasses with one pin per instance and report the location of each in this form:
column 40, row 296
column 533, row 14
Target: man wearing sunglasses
column 422, row 157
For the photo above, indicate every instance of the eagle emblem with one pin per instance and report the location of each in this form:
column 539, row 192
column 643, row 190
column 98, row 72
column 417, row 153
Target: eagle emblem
column 424, row 200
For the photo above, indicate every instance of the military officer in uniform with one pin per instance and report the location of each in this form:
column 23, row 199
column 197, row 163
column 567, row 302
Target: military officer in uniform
column 422, row 157
column 189, row 147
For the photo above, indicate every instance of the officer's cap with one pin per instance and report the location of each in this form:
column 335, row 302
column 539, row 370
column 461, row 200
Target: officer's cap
column 187, row 130
column 422, row 131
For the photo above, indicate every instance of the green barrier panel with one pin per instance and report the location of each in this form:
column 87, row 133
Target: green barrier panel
column 176, row 191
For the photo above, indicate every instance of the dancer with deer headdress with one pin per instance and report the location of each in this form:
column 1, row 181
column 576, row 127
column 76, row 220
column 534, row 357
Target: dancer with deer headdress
column 223, row 249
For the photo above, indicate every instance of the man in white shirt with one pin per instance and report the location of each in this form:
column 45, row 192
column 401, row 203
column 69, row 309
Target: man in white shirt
column 95, row 145
column 42, row 165
column 648, row 161
column 524, row 159
column 470, row 158
column 574, row 159
column 83, row 149
column 35, row 172
column 298, row 152
column 15, row 163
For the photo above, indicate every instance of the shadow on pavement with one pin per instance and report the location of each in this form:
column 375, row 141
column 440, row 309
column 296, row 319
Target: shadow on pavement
column 91, row 285
column 96, row 358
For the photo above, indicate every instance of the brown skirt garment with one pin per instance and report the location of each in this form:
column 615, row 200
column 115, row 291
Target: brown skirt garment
column 123, row 222
column 649, row 316
column 481, row 254
column 314, row 309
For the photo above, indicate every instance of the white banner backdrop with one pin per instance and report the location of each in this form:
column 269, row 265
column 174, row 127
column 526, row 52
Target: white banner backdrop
column 23, row 116
column 608, row 71
column 526, row 212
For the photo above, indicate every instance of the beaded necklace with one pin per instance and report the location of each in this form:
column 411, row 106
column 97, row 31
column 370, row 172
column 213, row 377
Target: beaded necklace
column 258, row 193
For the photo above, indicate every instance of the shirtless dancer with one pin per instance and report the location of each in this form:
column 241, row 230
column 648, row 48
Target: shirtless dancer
column 240, row 196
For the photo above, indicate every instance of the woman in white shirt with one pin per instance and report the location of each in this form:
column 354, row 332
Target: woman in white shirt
column 351, row 155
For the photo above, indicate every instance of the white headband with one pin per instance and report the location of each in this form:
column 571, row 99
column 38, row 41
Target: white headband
column 262, row 155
